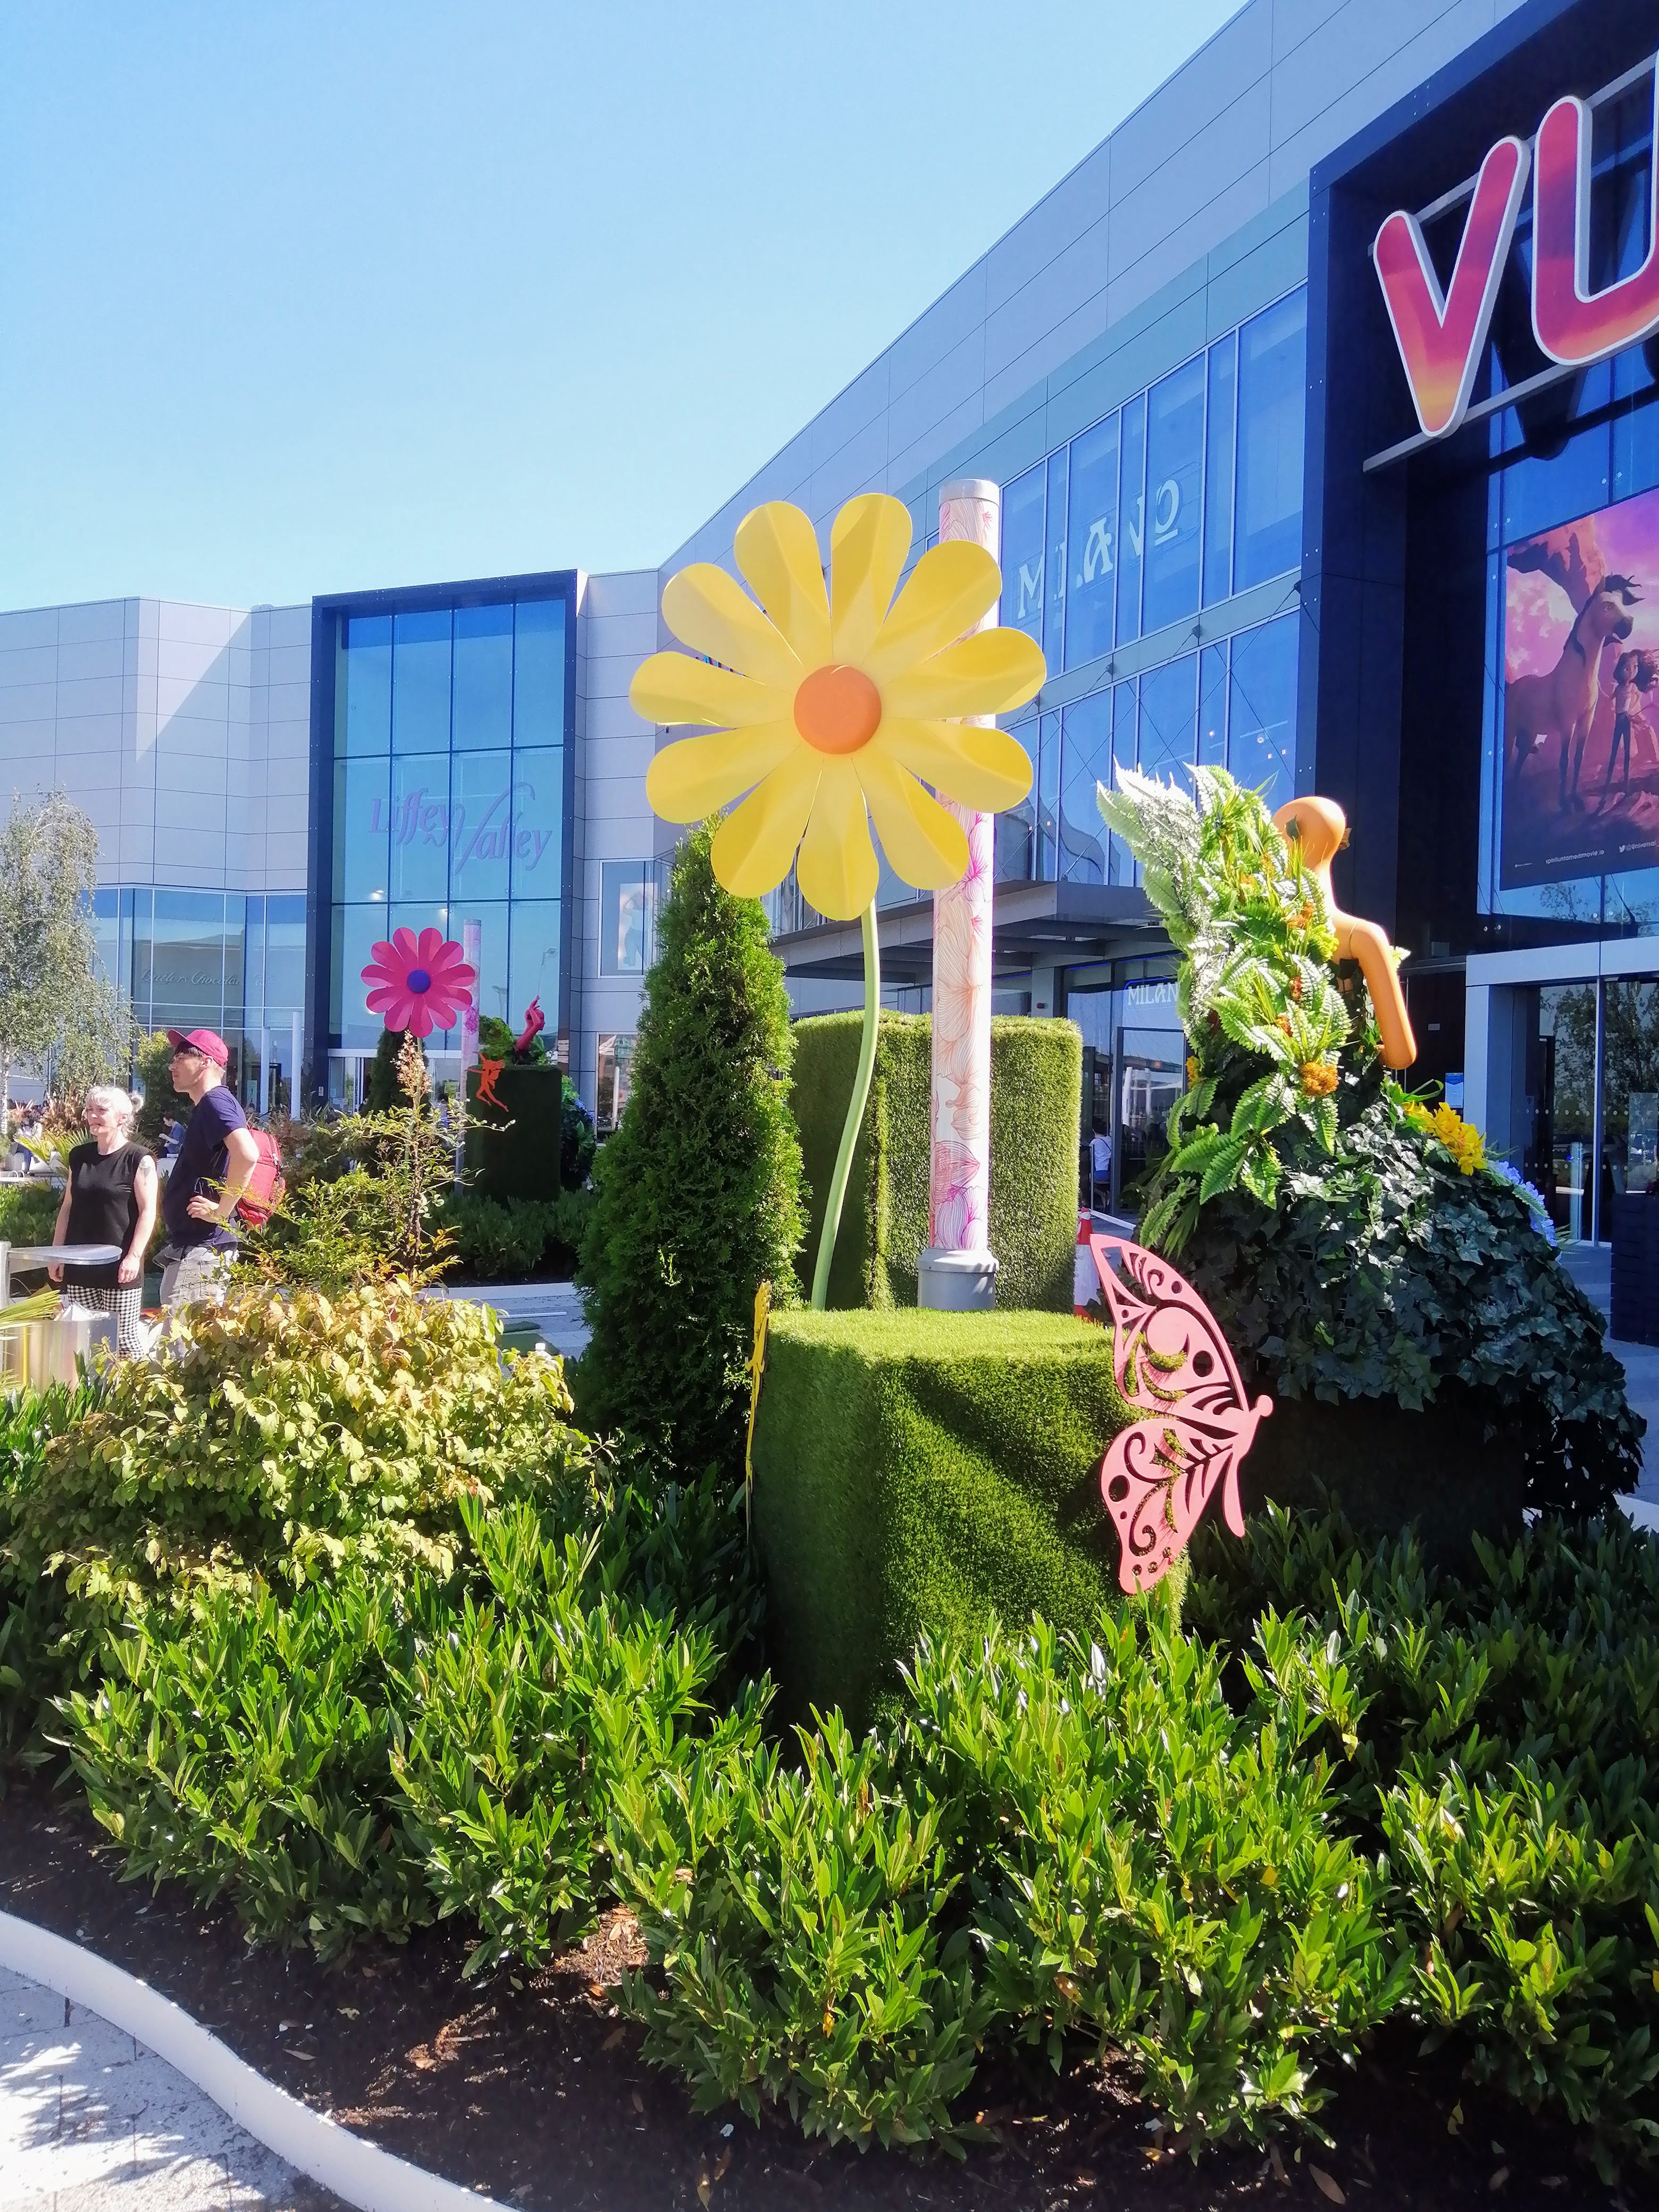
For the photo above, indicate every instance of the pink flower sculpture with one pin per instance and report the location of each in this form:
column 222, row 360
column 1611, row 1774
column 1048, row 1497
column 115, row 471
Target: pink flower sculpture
column 419, row 983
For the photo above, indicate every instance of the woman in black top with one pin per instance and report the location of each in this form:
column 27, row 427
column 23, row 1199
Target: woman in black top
column 109, row 1199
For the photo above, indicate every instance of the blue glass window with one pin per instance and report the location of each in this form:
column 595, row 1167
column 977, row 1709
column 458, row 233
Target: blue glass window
column 484, row 678
column 534, row 971
column 1261, row 712
column 1131, row 512
column 1022, row 555
column 1086, row 761
column 1212, row 706
column 420, row 682
column 253, row 962
column 364, row 685
column 285, row 955
column 1091, row 535
column 419, row 818
column 1169, row 720
column 480, row 826
column 538, row 857
column 1219, row 469
column 627, row 915
column 363, row 818
column 187, row 960
column 539, row 673
column 1175, row 495
column 1054, row 564
column 1273, row 374
column 1048, row 794
column 1123, row 868
column 356, row 931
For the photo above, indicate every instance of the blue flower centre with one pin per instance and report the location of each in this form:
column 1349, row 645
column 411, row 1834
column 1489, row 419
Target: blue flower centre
column 419, row 980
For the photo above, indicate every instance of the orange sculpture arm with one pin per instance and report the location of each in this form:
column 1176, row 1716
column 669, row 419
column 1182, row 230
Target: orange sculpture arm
column 1319, row 826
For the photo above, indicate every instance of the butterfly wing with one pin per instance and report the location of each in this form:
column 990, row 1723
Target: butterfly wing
column 1175, row 1369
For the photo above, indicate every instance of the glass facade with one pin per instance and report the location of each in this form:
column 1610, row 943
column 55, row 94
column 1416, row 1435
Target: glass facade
column 1189, row 492
column 448, row 762
column 213, row 960
column 629, row 894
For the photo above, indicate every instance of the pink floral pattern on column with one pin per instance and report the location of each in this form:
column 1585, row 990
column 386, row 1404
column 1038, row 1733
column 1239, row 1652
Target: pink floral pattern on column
column 959, row 1197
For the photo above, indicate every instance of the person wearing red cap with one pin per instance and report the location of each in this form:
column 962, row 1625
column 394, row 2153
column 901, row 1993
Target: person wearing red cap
column 208, row 1175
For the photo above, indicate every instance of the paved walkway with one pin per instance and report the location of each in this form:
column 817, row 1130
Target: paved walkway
column 556, row 1309
column 92, row 2122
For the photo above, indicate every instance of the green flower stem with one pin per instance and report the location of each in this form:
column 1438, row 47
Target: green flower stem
column 849, row 1136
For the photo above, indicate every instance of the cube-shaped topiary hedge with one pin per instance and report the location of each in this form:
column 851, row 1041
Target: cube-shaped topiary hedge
column 1037, row 1090
column 919, row 1471
column 513, row 1149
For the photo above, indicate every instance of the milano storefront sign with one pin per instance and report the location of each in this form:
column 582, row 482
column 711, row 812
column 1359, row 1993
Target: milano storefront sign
column 1442, row 336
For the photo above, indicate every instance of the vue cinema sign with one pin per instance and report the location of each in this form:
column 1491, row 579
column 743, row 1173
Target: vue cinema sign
column 1442, row 336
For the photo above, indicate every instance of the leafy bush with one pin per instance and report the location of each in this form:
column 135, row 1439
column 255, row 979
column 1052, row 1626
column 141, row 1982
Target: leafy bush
column 283, row 1437
column 28, row 1212
column 577, row 1142
column 1061, row 1838
column 699, row 1189
column 1496, row 1734
column 516, row 1236
column 162, row 1102
column 383, row 1090
column 352, row 1758
column 1351, row 1243
column 38, row 1657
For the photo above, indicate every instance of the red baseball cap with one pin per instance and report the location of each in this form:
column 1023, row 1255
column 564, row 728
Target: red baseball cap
column 208, row 1042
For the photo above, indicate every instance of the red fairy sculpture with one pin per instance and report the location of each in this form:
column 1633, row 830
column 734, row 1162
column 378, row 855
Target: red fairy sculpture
column 1171, row 1364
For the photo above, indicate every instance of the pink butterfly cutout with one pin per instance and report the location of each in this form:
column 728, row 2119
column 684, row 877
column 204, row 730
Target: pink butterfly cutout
column 1171, row 1362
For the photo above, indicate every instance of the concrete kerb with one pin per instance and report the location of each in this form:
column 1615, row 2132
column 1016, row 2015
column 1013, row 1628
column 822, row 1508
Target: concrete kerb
column 359, row 2172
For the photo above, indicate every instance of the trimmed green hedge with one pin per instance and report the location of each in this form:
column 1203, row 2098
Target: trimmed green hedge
column 1037, row 1092
column 917, row 1471
column 515, row 1153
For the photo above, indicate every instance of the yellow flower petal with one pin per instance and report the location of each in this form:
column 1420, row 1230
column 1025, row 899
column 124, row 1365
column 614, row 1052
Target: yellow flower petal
column 671, row 687
column 689, row 779
column 712, row 613
column 923, row 843
column 777, row 551
column 986, row 769
column 949, row 590
column 988, row 673
column 837, row 866
column 753, row 847
column 868, row 548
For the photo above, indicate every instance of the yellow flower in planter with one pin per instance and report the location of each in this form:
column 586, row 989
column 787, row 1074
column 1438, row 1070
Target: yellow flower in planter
column 828, row 703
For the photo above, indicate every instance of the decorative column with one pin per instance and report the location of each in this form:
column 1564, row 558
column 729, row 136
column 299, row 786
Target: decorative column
column 472, row 953
column 958, row 1270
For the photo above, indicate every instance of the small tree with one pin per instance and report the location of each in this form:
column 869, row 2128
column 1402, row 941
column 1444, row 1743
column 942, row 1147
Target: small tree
column 162, row 1102
column 380, row 1092
column 699, row 1190
column 56, row 1010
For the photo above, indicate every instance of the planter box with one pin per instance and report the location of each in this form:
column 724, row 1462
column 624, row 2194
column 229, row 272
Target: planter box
column 513, row 1149
column 1636, row 1270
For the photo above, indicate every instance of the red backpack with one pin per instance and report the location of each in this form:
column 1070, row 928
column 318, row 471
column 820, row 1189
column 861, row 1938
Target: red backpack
column 264, row 1189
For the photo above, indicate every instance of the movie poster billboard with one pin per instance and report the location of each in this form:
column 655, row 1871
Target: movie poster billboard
column 1580, row 762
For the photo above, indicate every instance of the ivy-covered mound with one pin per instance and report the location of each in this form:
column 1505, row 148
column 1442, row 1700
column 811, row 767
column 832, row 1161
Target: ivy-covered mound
column 1355, row 1245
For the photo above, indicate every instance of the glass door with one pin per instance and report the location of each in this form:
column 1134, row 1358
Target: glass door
column 1150, row 1075
column 1560, row 1161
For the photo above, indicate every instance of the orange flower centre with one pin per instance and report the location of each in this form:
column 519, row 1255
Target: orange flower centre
column 837, row 709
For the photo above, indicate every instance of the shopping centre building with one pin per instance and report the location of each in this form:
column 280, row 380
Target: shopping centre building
column 1321, row 401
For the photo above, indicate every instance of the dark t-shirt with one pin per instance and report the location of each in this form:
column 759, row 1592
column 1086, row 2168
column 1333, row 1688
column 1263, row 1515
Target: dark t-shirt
column 103, row 1206
column 199, row 1169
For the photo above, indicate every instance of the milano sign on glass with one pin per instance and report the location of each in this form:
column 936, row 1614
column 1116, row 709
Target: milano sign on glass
column 1442, row 336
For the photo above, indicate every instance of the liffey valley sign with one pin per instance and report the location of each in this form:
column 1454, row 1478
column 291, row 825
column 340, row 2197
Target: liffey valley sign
column 1442, row 336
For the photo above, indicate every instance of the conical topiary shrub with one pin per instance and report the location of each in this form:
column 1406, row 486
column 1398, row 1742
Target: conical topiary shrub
column 699, row 1189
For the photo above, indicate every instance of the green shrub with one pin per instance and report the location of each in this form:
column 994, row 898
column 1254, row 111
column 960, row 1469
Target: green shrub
column 244, row 1749
column 28, row 1212
column 283, row 1437
column 1497, row 1734
column 699, row 1189
column 1062, row 1839
column 1037, row 1077
column 496, row 1238
column 382, row 1091
column 577, row 1141
column 38, row 1657
column 162, row 1102
column 914, row 1473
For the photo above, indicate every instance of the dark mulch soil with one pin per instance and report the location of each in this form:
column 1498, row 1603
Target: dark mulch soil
column 539, row 2095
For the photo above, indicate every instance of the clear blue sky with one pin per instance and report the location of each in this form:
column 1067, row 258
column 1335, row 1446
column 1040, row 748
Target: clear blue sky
column 297, row 297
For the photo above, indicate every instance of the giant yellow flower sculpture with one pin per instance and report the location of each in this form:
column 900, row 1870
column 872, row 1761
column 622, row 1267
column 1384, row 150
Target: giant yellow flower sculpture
column 827, row 703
